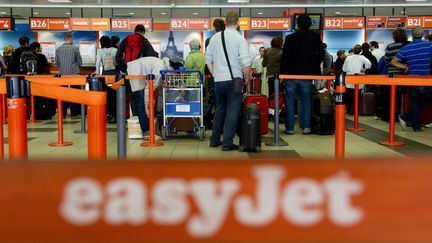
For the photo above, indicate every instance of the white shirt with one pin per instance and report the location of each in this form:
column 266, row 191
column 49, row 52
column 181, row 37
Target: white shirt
column 355, row 64
column 377, row 53
column 257, row 64
column 238, row 53
column 100, row 55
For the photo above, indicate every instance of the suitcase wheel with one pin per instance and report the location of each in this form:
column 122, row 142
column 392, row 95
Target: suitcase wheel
column 241, row 148
column 164, row 132
column 257, row 149
column 201, row 133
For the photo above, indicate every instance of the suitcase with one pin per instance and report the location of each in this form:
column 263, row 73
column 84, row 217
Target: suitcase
column 45, row 108
column 323, row 116
column 261, row 101
column 255, row 84
column 367, row 104
column 250, row 135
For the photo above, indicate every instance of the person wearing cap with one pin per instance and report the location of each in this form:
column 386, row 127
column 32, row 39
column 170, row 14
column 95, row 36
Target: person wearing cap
column 415, row 58
column 340, row 60
column 195, row 59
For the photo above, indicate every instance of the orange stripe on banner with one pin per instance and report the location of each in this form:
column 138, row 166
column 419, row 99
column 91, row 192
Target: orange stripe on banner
column 382, row 200
column 307, row 77
column 58, row 81
column 2, row 86
column 69, row 94
column 385, row 80
column 109, row 79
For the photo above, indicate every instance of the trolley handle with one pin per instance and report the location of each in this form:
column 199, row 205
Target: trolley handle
column 164, row 72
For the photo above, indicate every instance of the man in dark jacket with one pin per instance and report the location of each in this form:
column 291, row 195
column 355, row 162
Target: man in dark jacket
column 302, row 54
column 24, row 42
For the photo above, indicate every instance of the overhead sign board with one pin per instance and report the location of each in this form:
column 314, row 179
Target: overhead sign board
column 7, row 24
column 61, row 24
column 270, row 23
column 122, row 24
column 190, row 24
column 344, row 23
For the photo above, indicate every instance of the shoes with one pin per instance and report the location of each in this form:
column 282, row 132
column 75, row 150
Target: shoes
column 214, row 145
column 428, row 125
column 289, row 132
column 157, row 138
column 306, row 131
column 233, row 147
column 402, row 123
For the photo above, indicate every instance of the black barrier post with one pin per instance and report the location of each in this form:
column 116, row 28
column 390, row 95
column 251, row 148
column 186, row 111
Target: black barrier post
column 121, row 119
column 340, row 90
column 83, row 116
column 276, row 141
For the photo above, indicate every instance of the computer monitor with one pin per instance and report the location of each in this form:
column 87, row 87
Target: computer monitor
column 316, row 21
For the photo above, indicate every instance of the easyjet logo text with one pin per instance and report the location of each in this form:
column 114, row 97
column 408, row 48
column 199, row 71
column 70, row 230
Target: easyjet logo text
column 203, row 205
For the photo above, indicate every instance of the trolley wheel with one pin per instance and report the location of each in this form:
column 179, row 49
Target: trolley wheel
column 164, row 132
column 201, row 133
column 241, row 148
column 257, row 149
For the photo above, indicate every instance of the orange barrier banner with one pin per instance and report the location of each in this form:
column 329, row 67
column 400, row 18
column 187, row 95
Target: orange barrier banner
column 80, row 80
column 68, row 94
column 217, row 201
column 2, row 86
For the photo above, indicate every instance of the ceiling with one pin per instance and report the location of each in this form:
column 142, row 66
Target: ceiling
column 162, row 10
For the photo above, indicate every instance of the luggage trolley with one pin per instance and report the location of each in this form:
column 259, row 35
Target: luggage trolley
column 182, row 97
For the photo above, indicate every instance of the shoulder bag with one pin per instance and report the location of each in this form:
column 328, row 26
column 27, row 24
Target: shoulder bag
column 238, row 83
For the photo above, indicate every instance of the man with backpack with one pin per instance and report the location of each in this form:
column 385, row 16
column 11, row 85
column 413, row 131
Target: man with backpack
column 23, row 58
column 133, row 47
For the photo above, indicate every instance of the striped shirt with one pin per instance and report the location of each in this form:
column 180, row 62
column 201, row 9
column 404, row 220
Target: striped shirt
column 391, row 51
column 418, row 56
column 68, row 59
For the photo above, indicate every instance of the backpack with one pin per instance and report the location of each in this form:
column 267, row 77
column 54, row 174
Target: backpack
column 134, row 44
column 108, row 61
column 323, row 115
column 28, row 62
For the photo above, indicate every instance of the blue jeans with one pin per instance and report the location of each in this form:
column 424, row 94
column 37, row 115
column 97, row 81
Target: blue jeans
column 227, row 113
column 138, row 97
column 304, row 89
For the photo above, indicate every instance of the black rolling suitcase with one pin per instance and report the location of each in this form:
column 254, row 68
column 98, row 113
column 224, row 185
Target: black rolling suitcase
column 250, row 134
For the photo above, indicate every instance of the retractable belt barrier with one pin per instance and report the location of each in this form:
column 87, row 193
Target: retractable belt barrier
column 340, row 90
column 18, row 88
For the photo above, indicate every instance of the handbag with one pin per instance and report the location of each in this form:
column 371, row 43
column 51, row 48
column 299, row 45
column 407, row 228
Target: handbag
column 238, row 83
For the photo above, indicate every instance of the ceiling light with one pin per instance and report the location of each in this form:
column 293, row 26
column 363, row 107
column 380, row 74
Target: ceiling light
column 416, row 0
column 163, row 13
column 131, row 13
column 3, row 13
column 260, row 13
column 59, row 1
column 337, row 12
column 35, row 13
column 67, row 13
column 195, row 13
column 238, row 1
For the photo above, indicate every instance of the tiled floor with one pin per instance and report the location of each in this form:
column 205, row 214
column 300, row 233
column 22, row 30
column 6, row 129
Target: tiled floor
column 364, row 144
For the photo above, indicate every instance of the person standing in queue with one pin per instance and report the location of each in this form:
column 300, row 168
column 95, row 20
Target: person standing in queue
column 42, row 61
column 302, row 54
column 272, row 61
column 105, row 65
column 69, row 61
column 228, row 103
column 133, row 47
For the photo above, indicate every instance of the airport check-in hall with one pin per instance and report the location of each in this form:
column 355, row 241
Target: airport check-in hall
column 215, row 121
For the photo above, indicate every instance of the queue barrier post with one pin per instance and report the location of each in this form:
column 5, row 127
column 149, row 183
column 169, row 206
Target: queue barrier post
column 4, row 108
column 60, row 140
column 96, row 122
column 32, row 110
column 121, row 118
column 340, row 90
column 356, row 111
column 152, row 142
column 17, row 90
column 391, row 139
column 276, row 141
column 83, row 118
